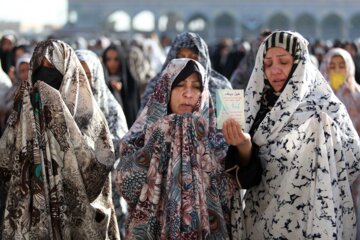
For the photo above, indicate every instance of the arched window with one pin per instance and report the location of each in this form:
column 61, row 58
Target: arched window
column 118, row 21
column 72, row 17
column 305, row 24
column 224, row 26
column 279, row 22
column 144, row 21
column 199, row 24
column 332, row 27
column 171, row 23
column 354, row 28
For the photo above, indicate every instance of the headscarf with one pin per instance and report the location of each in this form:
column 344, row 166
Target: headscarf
column 5, row 85
column 109, row 106
column 349, row 91
column 24, row 58
column 269, row 96
column 139, row 64
column 114, row 116
column 309, row 151
column 171, row 172
column 7, row 95
column 194, row 42
column 7, row 55
column 56, row 157
column 129, row 95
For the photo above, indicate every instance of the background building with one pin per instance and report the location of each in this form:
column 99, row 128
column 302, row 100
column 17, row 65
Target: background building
column 213, row 19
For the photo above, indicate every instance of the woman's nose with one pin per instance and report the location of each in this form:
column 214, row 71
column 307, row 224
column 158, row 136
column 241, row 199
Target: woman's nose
column 337, row 69
column 188, row 92
column 275, row 69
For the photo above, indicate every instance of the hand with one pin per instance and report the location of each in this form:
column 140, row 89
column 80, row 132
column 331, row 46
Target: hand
column 116, row 85
column 233, row 133
column 235, row 136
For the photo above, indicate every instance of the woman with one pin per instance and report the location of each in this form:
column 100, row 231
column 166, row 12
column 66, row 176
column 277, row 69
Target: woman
column 21, row 74
column 113, row 113
column 171, row 172
column 338, row 69
column 5, row 86
column 306, row 143
column 121, row 82
column 190, row 45
column 109, row 106
column 7, row 44
column 56, row 155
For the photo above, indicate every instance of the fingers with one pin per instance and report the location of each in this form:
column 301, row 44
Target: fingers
column 232, row 132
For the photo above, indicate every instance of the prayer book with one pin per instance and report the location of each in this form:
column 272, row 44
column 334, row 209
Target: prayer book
column 230, row 104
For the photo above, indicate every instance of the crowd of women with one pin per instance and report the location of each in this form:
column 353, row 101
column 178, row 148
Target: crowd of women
column 121, row 141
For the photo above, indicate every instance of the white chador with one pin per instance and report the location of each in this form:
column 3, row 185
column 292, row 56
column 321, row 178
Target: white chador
column 309, row 151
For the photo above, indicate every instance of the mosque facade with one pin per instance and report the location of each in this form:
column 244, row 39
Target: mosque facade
column 213, row 20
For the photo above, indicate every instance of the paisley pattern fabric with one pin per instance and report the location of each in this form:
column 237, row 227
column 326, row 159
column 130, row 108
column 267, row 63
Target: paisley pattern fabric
column 192, row 41
column 57, row 154
column 309, row 150
column 171, row 170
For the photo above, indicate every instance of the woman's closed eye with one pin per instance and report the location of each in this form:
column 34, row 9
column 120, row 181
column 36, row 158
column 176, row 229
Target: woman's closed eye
column 285, row 62
column 268, row 63
column 197, row 85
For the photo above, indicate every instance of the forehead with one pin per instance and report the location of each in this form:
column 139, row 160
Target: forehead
column 276, row 51
column 24, row 64
column 185, row 51
column 192, row 78
column 111, row 53
column 46, row 63
column 337, row 58
column 85, row 66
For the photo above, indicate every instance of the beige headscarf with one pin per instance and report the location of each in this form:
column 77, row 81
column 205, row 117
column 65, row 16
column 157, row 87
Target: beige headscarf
column 56, row 157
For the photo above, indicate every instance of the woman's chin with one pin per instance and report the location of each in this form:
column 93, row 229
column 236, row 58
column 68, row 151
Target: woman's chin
column 184, row 109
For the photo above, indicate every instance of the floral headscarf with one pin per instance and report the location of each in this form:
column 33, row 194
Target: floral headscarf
column 171, row 173
column 56, row 157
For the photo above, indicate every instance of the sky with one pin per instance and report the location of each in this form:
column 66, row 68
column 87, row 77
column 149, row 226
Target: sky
column 34, row 12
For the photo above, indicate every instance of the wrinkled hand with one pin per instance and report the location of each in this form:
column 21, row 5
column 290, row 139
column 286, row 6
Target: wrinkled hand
column 235, row 136
column 233, row 133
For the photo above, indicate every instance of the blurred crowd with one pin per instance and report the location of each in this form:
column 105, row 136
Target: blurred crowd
column 124, row 67
column 129, row 64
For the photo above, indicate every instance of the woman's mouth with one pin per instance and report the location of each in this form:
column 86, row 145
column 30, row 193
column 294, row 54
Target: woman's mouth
column 186, row 106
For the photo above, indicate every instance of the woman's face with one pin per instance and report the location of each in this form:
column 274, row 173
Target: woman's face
column 187, row 53
column 337, row 72
column 112, row 62
column 23, row 73
column 185, row 95
column 277, row 66
column 87, row 71
column 47, row 73
column 337, row 65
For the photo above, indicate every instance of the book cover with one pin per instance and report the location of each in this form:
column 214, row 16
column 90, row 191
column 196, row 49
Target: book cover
column 230, row 104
